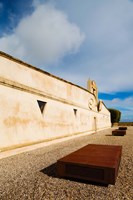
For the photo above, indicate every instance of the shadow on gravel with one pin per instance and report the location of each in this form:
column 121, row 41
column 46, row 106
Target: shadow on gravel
column 51, row 171
column 109, row 135
column 88, row 182
column 115, row 135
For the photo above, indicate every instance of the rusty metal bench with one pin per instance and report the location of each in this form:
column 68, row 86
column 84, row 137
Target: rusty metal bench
column 98, row 163
column 118, row 132
column 122, row 128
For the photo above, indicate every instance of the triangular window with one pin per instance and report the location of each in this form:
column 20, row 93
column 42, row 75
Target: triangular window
column 41, row 105
column 75, row 111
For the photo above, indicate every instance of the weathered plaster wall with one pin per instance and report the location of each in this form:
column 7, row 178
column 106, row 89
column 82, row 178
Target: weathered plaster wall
column 67, row 109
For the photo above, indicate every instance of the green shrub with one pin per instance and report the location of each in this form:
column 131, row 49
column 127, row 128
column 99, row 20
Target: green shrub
column 115, row 115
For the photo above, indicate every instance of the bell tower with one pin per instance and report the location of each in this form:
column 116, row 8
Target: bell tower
column 92, row 87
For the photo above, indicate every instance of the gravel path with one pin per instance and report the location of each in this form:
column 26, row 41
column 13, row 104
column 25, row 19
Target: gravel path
column 31, row 175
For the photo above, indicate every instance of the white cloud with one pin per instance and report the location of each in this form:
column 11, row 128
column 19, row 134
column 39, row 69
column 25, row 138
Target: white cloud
column 44, row 37
column 108, row 49
column 126, row 103
column 110, row 44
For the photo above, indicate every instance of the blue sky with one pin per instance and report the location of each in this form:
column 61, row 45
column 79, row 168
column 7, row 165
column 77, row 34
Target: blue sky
column 75, row 40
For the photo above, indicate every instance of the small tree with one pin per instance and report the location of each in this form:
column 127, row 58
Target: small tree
column 115, row 115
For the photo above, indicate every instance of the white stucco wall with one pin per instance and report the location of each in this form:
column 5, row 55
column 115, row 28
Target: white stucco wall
column 21, row 120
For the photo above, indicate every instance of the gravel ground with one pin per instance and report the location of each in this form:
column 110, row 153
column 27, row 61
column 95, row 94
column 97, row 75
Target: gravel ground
column 31, row 175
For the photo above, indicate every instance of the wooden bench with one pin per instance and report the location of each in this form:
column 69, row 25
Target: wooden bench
column 118, row 132
column 98, row 163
